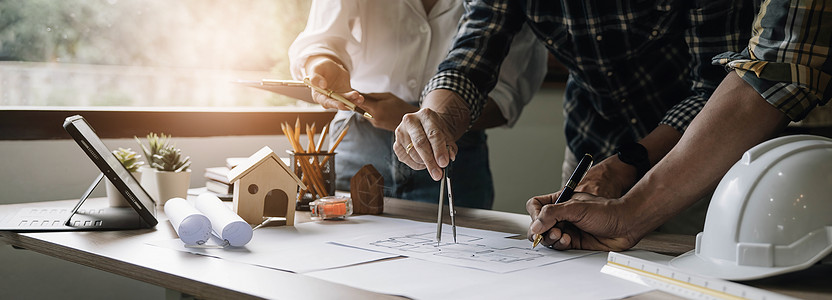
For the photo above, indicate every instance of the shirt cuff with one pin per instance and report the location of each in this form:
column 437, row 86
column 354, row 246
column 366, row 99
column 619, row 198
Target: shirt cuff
column 680, row 116
column 773, row 83
column 456, row 82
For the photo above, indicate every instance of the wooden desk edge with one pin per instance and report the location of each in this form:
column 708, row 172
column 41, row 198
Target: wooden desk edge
column 122, row 268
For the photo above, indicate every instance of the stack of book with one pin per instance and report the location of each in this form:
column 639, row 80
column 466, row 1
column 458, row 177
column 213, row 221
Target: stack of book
column 216, row 179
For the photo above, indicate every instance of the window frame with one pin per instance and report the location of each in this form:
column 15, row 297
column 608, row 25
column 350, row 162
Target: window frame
column 45, row 123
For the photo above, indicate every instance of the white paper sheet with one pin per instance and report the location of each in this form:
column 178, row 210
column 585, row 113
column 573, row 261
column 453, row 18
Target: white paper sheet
column 305, row 247
column 578, row 278
column 473, row 249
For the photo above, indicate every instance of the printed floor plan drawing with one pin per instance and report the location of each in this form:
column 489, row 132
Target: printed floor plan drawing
column 467, row 248
column 477, row 249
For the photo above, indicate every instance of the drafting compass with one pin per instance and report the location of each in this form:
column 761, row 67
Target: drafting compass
column 446, row 181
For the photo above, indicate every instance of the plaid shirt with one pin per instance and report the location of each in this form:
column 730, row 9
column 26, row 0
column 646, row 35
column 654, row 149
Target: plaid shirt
column 632, row 64
column 788, row 65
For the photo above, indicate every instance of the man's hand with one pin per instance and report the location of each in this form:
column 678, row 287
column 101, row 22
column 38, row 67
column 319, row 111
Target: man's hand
column 327, row 73
column 610, row 178
column 427, row 138
column 387, row 110
column 423, row 140
column 585, row 222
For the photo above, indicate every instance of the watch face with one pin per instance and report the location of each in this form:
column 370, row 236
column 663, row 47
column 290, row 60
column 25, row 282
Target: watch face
column 634, row 154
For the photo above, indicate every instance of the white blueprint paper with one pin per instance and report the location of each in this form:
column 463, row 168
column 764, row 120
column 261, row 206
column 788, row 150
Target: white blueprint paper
column 473, row 249
column 305, row 247
column 578, row 278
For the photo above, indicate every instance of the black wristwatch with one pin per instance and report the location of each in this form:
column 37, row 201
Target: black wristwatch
column 636, row 155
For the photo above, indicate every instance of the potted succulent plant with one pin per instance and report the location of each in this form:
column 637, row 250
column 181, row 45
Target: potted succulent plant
column 130, row 160
column 169, row 174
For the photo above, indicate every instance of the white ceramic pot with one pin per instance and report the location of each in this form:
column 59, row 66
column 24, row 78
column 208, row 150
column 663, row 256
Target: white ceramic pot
column 114, row 196
column 163, row 185
column 148, row 181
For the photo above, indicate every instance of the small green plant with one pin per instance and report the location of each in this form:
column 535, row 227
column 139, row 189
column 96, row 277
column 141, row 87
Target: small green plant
column 170, row 159
column 156, row 144
column 163, row 156
column 128, row 158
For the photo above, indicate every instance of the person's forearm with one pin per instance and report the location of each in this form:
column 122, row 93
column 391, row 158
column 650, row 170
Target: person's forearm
column 612, row 176
column 490, row 117
column 659, row 142
column 735, row 119
column 452, row 108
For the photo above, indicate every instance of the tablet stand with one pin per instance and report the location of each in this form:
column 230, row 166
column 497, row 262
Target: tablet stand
column 86, row 195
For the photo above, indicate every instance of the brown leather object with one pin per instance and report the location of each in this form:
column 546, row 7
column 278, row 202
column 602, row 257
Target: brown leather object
column 367, row 191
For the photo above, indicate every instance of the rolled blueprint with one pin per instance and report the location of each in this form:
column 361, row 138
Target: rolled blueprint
column 193, row 227
column 227, row 225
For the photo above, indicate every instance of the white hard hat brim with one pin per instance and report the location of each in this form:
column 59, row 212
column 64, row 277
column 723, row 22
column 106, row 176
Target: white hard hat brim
column 729, row 270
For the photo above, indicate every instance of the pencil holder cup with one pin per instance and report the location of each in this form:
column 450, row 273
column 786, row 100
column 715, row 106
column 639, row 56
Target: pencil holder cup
column 317, row 171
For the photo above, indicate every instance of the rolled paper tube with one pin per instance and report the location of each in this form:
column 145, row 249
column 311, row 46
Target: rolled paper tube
column 193, row 227
column 227, row 225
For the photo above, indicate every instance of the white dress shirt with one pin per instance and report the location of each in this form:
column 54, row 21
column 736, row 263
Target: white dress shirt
column 393, row 46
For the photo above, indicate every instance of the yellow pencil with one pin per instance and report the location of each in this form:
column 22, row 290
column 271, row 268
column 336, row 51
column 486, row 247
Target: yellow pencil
column 310, row 134
column 335, row 145
column 305, row 165
column 321, row 139
column 297, row 130
column 340, row 137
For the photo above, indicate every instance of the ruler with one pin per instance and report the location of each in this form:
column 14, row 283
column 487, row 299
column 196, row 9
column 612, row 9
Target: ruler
column 680, row 283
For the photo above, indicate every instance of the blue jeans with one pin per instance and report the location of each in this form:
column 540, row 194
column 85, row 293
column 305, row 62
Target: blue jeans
column 365, row 144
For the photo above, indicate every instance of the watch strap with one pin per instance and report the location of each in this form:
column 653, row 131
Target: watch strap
column 635, row 154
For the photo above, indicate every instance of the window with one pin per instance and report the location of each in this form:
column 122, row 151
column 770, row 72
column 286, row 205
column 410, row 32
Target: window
column 145, row 53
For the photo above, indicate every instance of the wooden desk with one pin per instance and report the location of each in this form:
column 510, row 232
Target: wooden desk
column 126, row 253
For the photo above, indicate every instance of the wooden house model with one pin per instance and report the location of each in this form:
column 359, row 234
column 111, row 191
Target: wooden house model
column 264, row 186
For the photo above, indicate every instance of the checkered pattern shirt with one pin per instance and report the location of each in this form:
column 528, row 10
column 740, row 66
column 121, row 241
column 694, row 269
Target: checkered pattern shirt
column 787, row 59
column 632, row 64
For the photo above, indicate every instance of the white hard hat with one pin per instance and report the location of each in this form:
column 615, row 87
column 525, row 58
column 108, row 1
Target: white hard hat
column 771, row 213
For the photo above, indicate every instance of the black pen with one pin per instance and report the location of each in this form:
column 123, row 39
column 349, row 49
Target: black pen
column 570, row 186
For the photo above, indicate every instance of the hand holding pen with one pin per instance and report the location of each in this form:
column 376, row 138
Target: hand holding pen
column 343, row 101
column 569, row 188
column 589, row 222
column 328, row 80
